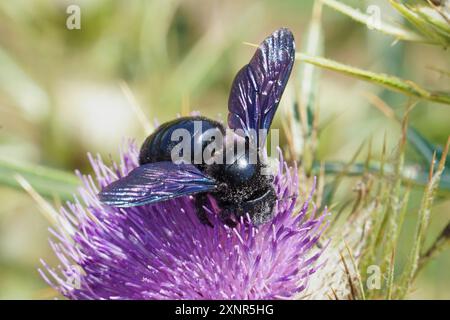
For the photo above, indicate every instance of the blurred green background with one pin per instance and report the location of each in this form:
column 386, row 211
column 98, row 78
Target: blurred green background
column 64, row 93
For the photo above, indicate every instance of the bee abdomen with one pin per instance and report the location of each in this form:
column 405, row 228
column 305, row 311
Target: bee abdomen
column 158, row 146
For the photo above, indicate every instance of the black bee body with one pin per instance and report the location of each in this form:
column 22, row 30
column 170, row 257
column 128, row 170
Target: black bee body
column 240, row 185
column 159, row 145
column 243, row 187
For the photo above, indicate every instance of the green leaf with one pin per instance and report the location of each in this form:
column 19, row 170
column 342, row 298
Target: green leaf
column 406, row 87
column 47, row 182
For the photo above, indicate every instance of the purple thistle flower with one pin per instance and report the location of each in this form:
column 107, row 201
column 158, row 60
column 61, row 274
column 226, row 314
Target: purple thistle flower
column 162, row 251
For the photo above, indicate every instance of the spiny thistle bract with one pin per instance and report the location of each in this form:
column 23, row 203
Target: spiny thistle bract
column 162, row 251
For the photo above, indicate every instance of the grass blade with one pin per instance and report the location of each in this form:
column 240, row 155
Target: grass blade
column 412, row 266
column 442, row 243
column 358, row 274
column 423, row 25
column 385, row 27
column 303, row 124
column 390, row 278
column 47, row 182
column 406, row 87
column 410, row 174
column 309, row 73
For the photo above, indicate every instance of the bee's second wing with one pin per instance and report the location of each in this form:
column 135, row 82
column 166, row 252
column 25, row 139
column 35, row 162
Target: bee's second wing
column 258, row 86
column 156, row 182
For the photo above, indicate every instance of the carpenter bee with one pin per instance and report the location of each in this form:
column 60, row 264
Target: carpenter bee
column 239, row 186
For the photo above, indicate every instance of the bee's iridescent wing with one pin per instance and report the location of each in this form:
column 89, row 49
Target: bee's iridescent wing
column 258, row 86
column 154, row 182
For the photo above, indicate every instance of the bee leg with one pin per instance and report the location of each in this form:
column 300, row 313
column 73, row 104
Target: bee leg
column 200, row 201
